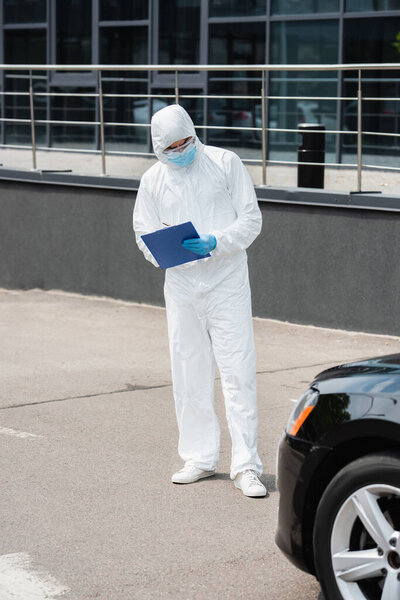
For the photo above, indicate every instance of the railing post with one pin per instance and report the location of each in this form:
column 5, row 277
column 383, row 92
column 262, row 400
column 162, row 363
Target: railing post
column 101, row 115
column 32, row 112
column 263, row 125
column 176, row 88
column 359, row 133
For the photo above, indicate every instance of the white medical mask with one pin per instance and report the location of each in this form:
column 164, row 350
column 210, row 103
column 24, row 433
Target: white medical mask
column 182, row 155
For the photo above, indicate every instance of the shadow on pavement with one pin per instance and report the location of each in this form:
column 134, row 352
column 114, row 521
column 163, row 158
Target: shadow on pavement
column 268, row 480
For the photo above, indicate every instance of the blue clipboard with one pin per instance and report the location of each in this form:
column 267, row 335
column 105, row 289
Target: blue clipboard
column 166, row 245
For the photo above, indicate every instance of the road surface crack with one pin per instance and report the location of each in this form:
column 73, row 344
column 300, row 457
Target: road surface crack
column 136, row 388
column 128, row 388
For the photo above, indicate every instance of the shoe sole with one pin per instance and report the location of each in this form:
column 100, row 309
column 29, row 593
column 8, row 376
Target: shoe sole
column 261, row 494
column 203, row 476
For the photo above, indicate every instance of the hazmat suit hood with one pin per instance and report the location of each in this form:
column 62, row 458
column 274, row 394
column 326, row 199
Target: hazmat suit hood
column 169, row 125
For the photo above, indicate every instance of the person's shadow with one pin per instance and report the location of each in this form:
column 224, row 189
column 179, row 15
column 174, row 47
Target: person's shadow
column 268, row 480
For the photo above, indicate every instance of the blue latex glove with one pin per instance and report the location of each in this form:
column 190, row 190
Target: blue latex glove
column 201, row 245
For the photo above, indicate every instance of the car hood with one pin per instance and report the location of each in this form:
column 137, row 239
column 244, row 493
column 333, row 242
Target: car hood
column 379, row 375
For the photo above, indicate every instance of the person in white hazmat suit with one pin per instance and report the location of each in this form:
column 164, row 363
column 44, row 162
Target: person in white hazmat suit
column 208, row 301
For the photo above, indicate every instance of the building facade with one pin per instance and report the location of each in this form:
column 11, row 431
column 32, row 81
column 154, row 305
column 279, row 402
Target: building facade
column 233, row 32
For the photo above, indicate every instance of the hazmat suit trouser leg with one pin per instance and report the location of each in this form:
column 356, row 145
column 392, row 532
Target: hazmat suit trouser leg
column 193, row 374
column 232, row 335
column 227, row 335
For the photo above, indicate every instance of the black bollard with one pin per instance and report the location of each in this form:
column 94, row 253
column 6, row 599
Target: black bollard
column 311, row 150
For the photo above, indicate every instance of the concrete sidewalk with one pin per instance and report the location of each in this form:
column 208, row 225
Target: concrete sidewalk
column 342, row 178
column 88, row 444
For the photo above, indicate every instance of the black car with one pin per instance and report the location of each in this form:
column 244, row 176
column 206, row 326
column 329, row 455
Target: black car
column 339, row 481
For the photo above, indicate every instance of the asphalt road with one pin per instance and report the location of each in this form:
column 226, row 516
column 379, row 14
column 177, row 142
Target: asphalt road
column 88, row 445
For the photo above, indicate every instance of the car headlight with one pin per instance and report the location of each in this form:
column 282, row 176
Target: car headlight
column 305, row 405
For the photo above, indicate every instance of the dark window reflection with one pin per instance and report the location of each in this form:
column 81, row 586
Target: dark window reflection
column 237, row 8
column 373, row 41
column 238, row 113
column 125, row 45
column 128, row 10
column 236, row 43
column 73, row 108
column 130, row 110
column 24, row 46
column 179, row 32
column 74, row 32
column 365, row 5
column 307, row 43
column 294, row 7
column 24, row 11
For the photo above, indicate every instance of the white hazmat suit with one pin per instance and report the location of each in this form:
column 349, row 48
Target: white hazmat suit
column 208, row 301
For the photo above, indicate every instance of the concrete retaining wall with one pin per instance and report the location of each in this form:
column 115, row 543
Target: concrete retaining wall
column 334, row 267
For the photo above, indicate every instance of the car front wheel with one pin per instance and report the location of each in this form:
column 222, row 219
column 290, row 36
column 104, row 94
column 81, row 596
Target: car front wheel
column 357, row 531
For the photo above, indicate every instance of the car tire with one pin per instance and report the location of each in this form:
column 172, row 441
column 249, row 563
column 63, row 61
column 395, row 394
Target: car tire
column 356, row 536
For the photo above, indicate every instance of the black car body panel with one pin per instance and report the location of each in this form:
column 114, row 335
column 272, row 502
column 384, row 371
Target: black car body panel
column 341, row 417
column 358, row 409
column 298, row 461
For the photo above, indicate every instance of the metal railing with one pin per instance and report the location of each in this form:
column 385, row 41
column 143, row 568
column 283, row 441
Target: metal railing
column 175, row 70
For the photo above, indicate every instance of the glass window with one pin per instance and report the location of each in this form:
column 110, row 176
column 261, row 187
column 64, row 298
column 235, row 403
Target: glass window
column 304, row 42
column 125, row 45
column 22, row 47
column 133, row 111
column 307, row 42
column 128, row 10
column 299, row 7
column 237, row 8
column 179, row 32
column 236, row 43
column 73, row 108
column 24, row 11
column 373, row 41
column 74, row 32
column 240, row 113
column 366, row 5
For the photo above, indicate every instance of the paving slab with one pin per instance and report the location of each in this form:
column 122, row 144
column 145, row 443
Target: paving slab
column 120, row 165
column 88, row 445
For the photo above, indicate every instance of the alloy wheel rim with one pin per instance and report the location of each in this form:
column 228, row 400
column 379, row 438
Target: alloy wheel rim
column 365, row 544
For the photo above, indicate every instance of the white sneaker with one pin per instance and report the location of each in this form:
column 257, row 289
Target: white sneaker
column 249, row 483
column 190, row 474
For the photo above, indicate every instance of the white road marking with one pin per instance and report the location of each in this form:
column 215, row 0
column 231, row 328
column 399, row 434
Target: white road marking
column 20, row 434
column 293, row 399
column 19, row 581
